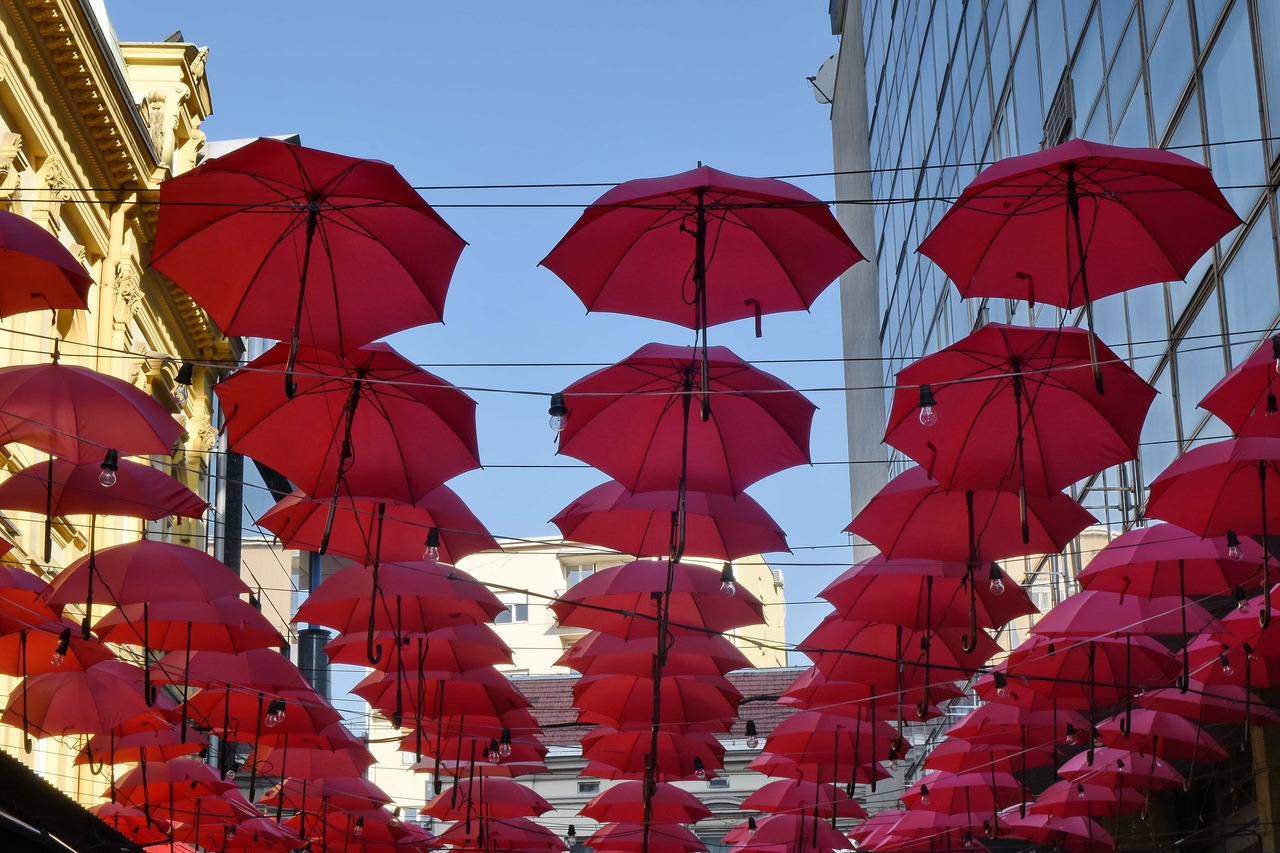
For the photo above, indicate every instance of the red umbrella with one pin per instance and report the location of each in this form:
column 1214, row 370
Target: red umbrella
column 691, row 702
column 1086, row 799
column 339, row 792
column 688, row 654
column 716, row 526
column 891, row 655
column 1219, row 703
column 513, row 833
column 250, row 835
column 1165, row 559
column 79, row 701
column 631, row 421
column 638, row 838
column 152, row 745
column 310, row 757
column 800, row 796
column 398, row 531
column 963, row 793
column 133, row 823
column 623, row 803
column 457, row 647
column 139, row 491
column 1104, row 670
column 257, row 669
column 38, row 270
column 50, row 647
column 165, row 781
column 488, row 798
column 1031, row 227
column 1245, row 399
column 1012, row 409
column 75, row 413
column 1121, row 768
column 1163, row 734
column 836, row 743
column 428, row 694
column 918, row 593
column 1073, row 833
column 814, row 691
column 225, row 624
column 377, row 424
column 954, row 755
column 997, row 723
column 1220, row 489
column 643, row 248
column 794, row 833
column 913, row 516
column 332, row 251
column 814, row 767
column 694, row 755
column 696, row 601
column 146, row 570
column 1101, row 613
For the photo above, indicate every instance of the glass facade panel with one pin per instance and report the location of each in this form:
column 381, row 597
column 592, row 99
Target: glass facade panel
column 1231, row 113
column 1200, row 362
column 1250, row 291
column 1269, row 32
column 1170, row 63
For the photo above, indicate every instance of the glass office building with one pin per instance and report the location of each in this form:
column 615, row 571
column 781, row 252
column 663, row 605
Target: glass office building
column 929, row 91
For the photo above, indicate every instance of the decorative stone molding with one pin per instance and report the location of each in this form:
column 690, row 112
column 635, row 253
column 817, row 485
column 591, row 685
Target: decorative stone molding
column 53, row 187
column 12, row 164
column 202, row 434
column 128, row 291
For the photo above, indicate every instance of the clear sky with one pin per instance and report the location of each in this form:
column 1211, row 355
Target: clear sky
column 559, row 91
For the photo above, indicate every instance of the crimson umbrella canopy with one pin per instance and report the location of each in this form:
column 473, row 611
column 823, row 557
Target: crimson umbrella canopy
column 956, row 755
column 716, row 526
column 339, row 792
column 457, row 647
column 131, row 822
column 140, row 491
column 1218, row 703
column 820, row 799
column 1104, row 670
column 1086, row 799
column 49, row 647
column 487, row 797
column 1163, row 734
column 834, row 742
column 623, row 600
column 310, row 757
column 38, row 271
column 146, row 570
column 690, row 702
column 1121, row 768
column 224, row 624
column 631, row 421
column 812, row 690
column 1094, row 613
column 766, row 245
column 1012, row 409
column 680, row 756
column 152, row 781
column 333, row 250
column 159, row 744
column 1165, row 559
column 513, row 833
column 1074, row 833
column 1031, row 227
column 914, row 516
column 918, row 593
column 257, row 669
column 795, row 833
column 249, row 835
column 998, row 723
column 1245, row 399
column 75, row 413
column 376, row 424
column 623, row 803
column 428, row 694
column 79, row 701
column 367, row 528
column 639, row 838
column 963, row 793
column 688, row 654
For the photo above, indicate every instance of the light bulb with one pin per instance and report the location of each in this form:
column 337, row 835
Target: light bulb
column 928, row 414
column 58, row 659
column 110, row 464
column 1080, row 794
column 358, row 830
column 504, row 749
column 1140, row 691
column 559, row 413
column 1233, row 546
column 699, row 772
column 1242, row 600
column 924, row 794
column 751, row 824
column 1072, row 739
column 180, row 395
column 968, row 840
column 432, row 552
column 231, row 833
column 997, row 580
column 753, row 737
column 271, row 721
column 727, row 586
column 494, row 755
column 1272, row 406
column 1002, row 684
column 1275, row 351
column 1225, row 663
column 230, row 775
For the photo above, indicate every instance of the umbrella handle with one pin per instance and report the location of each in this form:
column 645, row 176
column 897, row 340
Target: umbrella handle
column 969, row 642
column 373, row 651
column 95, row 769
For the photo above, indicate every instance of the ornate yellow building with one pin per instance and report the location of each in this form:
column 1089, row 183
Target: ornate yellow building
column 88, row 130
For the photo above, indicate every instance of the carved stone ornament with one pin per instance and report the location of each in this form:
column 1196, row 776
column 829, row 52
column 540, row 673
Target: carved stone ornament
column 128, row 292
column 53, row 188
column 12, row 164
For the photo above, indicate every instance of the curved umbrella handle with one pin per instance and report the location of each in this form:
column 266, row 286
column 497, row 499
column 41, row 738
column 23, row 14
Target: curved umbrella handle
column 371, row 650
column 95, row 768
column 969, row 642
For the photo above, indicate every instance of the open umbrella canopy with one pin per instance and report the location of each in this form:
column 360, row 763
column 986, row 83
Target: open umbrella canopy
column 691, row 702
column 626, row 752
column 79, row 701
column 795, row 833
column 1103, row 670
column 766, row 245
column 377, row 425
column 365, row 529
column 716, row 526
column 140, row 491
column 918, row 593
column 955, row 755
column 1013, row 409
column 1141, row 215
column 39, row 272
column 814, row 738
column 997, row 723
column 891, row 655
column 914, row 516
column 1075, row 833
column 636, row 838
column 75, row 413
column 1161, row 733
column 131, row 822
column 812, row 690
column 972, row 793
column 796, row 796
column 623, row 600
column 338, row 792
column 1217, row 703
column 623, row 803
column 146, row 570
column 457, row 647
column 1165, row 559
column 486, row 798
column 1245, row 399
column 173, row 780
column 1221, row 486
column 630, row 420
column 50, row 647
column 430, row 694
column 336, row 250
column 599, row 653
column 1086, row 799
column 225, row 624
column 1121, row 768
column 256, row 669
column 152, row 745
column 1101, row 613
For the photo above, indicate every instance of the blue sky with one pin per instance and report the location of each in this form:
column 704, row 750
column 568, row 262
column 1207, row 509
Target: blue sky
column 550, row 92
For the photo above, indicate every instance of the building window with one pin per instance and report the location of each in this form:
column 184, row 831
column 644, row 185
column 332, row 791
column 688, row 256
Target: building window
column 574, row 574
column 718, row 782
column 588, row 787
column 517, row 609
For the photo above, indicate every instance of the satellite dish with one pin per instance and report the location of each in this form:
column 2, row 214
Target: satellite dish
column 824, row 82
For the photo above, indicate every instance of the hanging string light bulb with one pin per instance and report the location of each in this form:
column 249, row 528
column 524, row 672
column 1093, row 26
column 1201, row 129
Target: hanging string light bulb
column 928, row 414
column 997, row 580
column 432, row 552
column 1233, row 546
column 727, row 586
column 60, row 653
column 699, row 771
column 559, row 413
column 182, row 383
column 1242, row 600
column 110, row 465
column 753, row 739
